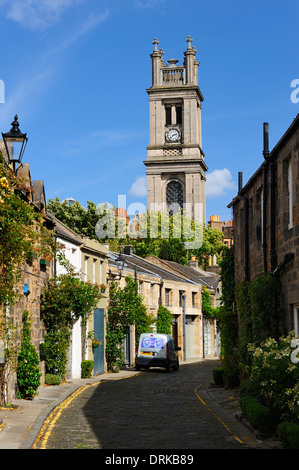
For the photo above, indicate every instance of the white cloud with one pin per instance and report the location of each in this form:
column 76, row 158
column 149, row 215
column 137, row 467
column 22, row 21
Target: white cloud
column 36, row 14
column 87, row 26
column 138, row 188
column 218, row 182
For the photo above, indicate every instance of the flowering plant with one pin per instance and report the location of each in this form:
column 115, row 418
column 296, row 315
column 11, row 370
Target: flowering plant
column 275, row 376
column 96, row 343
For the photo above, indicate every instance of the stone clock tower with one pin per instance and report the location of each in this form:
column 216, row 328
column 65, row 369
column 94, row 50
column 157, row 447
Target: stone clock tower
column 175, row 166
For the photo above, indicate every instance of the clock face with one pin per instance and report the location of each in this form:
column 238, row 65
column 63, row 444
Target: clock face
column 173, row 135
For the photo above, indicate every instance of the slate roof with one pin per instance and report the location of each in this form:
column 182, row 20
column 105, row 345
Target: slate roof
column 144, row 266
column 171, row 270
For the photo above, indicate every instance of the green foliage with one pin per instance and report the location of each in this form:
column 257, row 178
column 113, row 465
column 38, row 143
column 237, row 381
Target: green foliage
column 275, row 377
column 28, row 371
column 156, row 233
column 22, row 232
column 259, row 416
column 52, row 379
column 288, row 434
column 143, row 321
column 248, row 388
column 218, row 375
column 86, row 369
column 164, row 319
column 207, row 310
column 228, row 279
column 212, row 244
column 264, row 292
column 75, row 216
column 125, row 308
column 57, row 343
column 228, row 323
column 65, row 299
column 258, row 306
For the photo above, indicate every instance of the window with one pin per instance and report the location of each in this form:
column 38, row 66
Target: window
column 86, row 258
column 168, row 299
column 152, row 294
column 182, row 293
column 174, row 195
column 140, row 284
column 101, row 272
column 94, row 264
column 195, row 299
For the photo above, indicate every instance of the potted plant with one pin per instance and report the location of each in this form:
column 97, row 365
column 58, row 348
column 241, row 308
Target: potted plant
column 96, row 343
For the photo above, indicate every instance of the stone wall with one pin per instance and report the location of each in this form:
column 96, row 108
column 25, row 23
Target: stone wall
column 284, row 155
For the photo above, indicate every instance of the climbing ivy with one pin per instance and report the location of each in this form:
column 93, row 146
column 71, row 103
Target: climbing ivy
column 164, row 319
column 66, row 298
column 125, row 308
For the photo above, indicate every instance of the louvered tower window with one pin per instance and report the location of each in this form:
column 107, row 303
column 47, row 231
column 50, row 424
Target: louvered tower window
column 174, row 195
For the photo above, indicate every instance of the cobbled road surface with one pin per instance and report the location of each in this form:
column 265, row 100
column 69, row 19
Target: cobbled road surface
column 151, row 410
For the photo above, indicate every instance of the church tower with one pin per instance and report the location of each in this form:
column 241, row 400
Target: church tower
column 175, row 166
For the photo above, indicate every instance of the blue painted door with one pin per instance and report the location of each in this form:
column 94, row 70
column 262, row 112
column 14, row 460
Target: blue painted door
column 99, row 364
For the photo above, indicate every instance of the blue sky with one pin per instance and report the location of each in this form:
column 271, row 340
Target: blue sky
column 76, row 73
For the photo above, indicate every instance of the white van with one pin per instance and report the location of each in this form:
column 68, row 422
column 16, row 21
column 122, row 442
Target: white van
column 156, row 350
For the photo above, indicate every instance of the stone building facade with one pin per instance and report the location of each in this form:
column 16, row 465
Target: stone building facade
column 266, row 222
column 175, row 165
column 179, row 289
column 35, row 273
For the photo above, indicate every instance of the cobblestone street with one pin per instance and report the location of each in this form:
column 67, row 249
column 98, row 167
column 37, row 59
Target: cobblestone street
column 152, row 410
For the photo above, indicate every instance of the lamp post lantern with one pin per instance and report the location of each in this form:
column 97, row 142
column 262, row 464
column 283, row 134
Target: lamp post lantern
column 120, row 262
column 15, row 143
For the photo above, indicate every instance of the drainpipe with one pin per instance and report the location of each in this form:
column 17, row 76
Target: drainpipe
column 246, row 240
column 184, row 324
column 264, row 234
column 273, row 257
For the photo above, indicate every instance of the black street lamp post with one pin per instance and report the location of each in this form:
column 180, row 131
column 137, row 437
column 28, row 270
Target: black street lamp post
column 15, row 143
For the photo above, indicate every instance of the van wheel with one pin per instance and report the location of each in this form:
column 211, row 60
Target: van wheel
column 168, row 368
column 176, row 367
column 137, row 367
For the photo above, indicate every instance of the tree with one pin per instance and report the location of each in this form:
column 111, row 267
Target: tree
column 212, row 245
column 125, row 308
column 28, row 370
column 171, row 237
